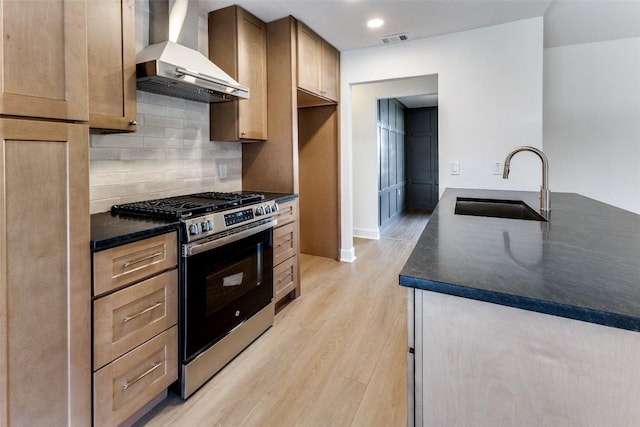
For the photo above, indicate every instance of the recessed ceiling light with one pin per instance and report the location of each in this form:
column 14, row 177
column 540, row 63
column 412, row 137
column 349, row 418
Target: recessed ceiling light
column 375, row 23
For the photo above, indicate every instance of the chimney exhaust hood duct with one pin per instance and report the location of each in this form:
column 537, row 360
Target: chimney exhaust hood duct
column 171, row 64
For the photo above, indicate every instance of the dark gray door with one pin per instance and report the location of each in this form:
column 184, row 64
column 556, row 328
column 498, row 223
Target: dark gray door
column 422, row 158
column 391, row 176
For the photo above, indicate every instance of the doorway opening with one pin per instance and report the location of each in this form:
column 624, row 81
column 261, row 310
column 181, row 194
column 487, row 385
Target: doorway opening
column 374, row 192
column 407, row 158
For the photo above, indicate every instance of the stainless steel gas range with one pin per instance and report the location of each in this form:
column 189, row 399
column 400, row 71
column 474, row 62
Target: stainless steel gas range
column 226, row 276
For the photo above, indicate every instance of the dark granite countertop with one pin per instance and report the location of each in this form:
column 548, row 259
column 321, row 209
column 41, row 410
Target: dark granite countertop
column 278, row 197
column 583, row 264
column 108, row 231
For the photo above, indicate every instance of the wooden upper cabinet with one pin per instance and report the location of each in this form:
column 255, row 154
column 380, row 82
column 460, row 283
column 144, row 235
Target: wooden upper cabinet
column 238, row 45
column 330, row 72
column 318, row 68
column 112, row 65
column 309, row 54
column 43, row 64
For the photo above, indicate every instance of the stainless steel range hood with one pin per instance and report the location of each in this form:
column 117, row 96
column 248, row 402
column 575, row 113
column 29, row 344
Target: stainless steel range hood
column 176, row 69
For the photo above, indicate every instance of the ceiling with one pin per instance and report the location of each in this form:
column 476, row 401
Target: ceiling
column 343, row 22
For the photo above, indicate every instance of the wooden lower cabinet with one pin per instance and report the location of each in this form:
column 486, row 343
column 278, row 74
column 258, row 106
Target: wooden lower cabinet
column 285, row 278
column 286, row 261
column 135, row 313
column 125, row 385
column 126, row 264
column 45, row 300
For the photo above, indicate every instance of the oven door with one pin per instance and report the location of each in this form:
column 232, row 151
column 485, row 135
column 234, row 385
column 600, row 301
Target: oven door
column 223, row 287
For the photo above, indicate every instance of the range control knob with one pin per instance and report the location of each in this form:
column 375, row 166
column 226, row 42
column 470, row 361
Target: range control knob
column 267, row 209
column 195, row 229
column 260, row 210
column 206, row 226
column 275, row 208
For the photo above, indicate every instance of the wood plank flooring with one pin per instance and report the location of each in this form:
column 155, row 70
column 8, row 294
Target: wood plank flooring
column 336, row 356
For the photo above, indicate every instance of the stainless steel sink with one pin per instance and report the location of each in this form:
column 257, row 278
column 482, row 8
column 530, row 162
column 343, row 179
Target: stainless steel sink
column 513, row 209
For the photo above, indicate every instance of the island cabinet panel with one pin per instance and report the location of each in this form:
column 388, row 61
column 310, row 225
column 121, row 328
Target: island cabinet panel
column 318, row 69
column 112, row 65
column 484, row 364
column 238, row 45
column 135, row 340
column 44, row 59
column 45, row 303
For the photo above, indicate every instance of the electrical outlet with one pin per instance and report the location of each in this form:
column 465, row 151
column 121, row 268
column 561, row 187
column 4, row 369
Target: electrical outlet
column 497, row 168
column 454, row 167
column 222, row 171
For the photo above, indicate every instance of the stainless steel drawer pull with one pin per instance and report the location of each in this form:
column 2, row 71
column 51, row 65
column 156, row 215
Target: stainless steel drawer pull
column 125, row 319
column 141, row 376
column 138, row 261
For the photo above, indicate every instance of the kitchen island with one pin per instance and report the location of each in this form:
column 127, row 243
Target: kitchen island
column 522, row 322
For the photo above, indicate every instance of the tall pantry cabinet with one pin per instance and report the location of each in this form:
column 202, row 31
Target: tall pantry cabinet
column 45, row 335
column 301, row 152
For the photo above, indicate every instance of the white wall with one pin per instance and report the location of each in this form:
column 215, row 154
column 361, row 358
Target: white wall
column 365, row 144
column 592, row 120
column 489, row 98
column 170, row 153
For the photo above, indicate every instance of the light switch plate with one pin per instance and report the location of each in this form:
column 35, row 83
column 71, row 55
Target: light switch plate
column 454, row 167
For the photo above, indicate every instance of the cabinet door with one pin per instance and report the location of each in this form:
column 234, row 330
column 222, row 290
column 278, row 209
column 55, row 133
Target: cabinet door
column 318, row 64
column 45, row 300
column 44, row 59
column 330, row 72
column 238, row 45
column 127, row 318
column 128, row 383
column 309, row 57
column 252, row 72
column 112, row 65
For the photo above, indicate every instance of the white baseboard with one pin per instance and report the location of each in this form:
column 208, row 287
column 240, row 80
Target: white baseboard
column 367, row 233
column 347, row 255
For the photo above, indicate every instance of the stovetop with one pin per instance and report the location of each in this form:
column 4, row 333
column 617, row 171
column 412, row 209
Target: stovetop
column 186, row 206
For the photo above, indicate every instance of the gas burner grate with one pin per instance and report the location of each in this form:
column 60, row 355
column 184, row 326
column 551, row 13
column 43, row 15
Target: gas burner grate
column 185, row 206
column 237, row 198
column 164, row 208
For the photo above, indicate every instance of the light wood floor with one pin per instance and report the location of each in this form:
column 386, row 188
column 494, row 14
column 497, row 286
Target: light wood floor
column 336, row 356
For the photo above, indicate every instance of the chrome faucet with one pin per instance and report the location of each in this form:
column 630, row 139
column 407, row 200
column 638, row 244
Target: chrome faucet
column 544, row 189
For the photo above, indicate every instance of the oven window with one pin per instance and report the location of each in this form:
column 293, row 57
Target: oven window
column 232, row 282
column 223, row 287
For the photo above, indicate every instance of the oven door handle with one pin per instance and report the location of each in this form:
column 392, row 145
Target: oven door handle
column 198, row 247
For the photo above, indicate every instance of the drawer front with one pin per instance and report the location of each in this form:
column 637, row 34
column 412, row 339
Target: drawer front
column 119, row 266
column 128, row 383
column 285, row 278
column 131, row 316
column 287, row 212
column 285, row 243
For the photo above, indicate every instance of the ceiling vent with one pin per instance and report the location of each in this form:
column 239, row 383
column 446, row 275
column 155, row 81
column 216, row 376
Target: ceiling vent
column 395, row 38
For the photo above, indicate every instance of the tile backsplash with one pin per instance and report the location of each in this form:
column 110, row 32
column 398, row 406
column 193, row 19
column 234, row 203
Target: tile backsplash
column 170, row 154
